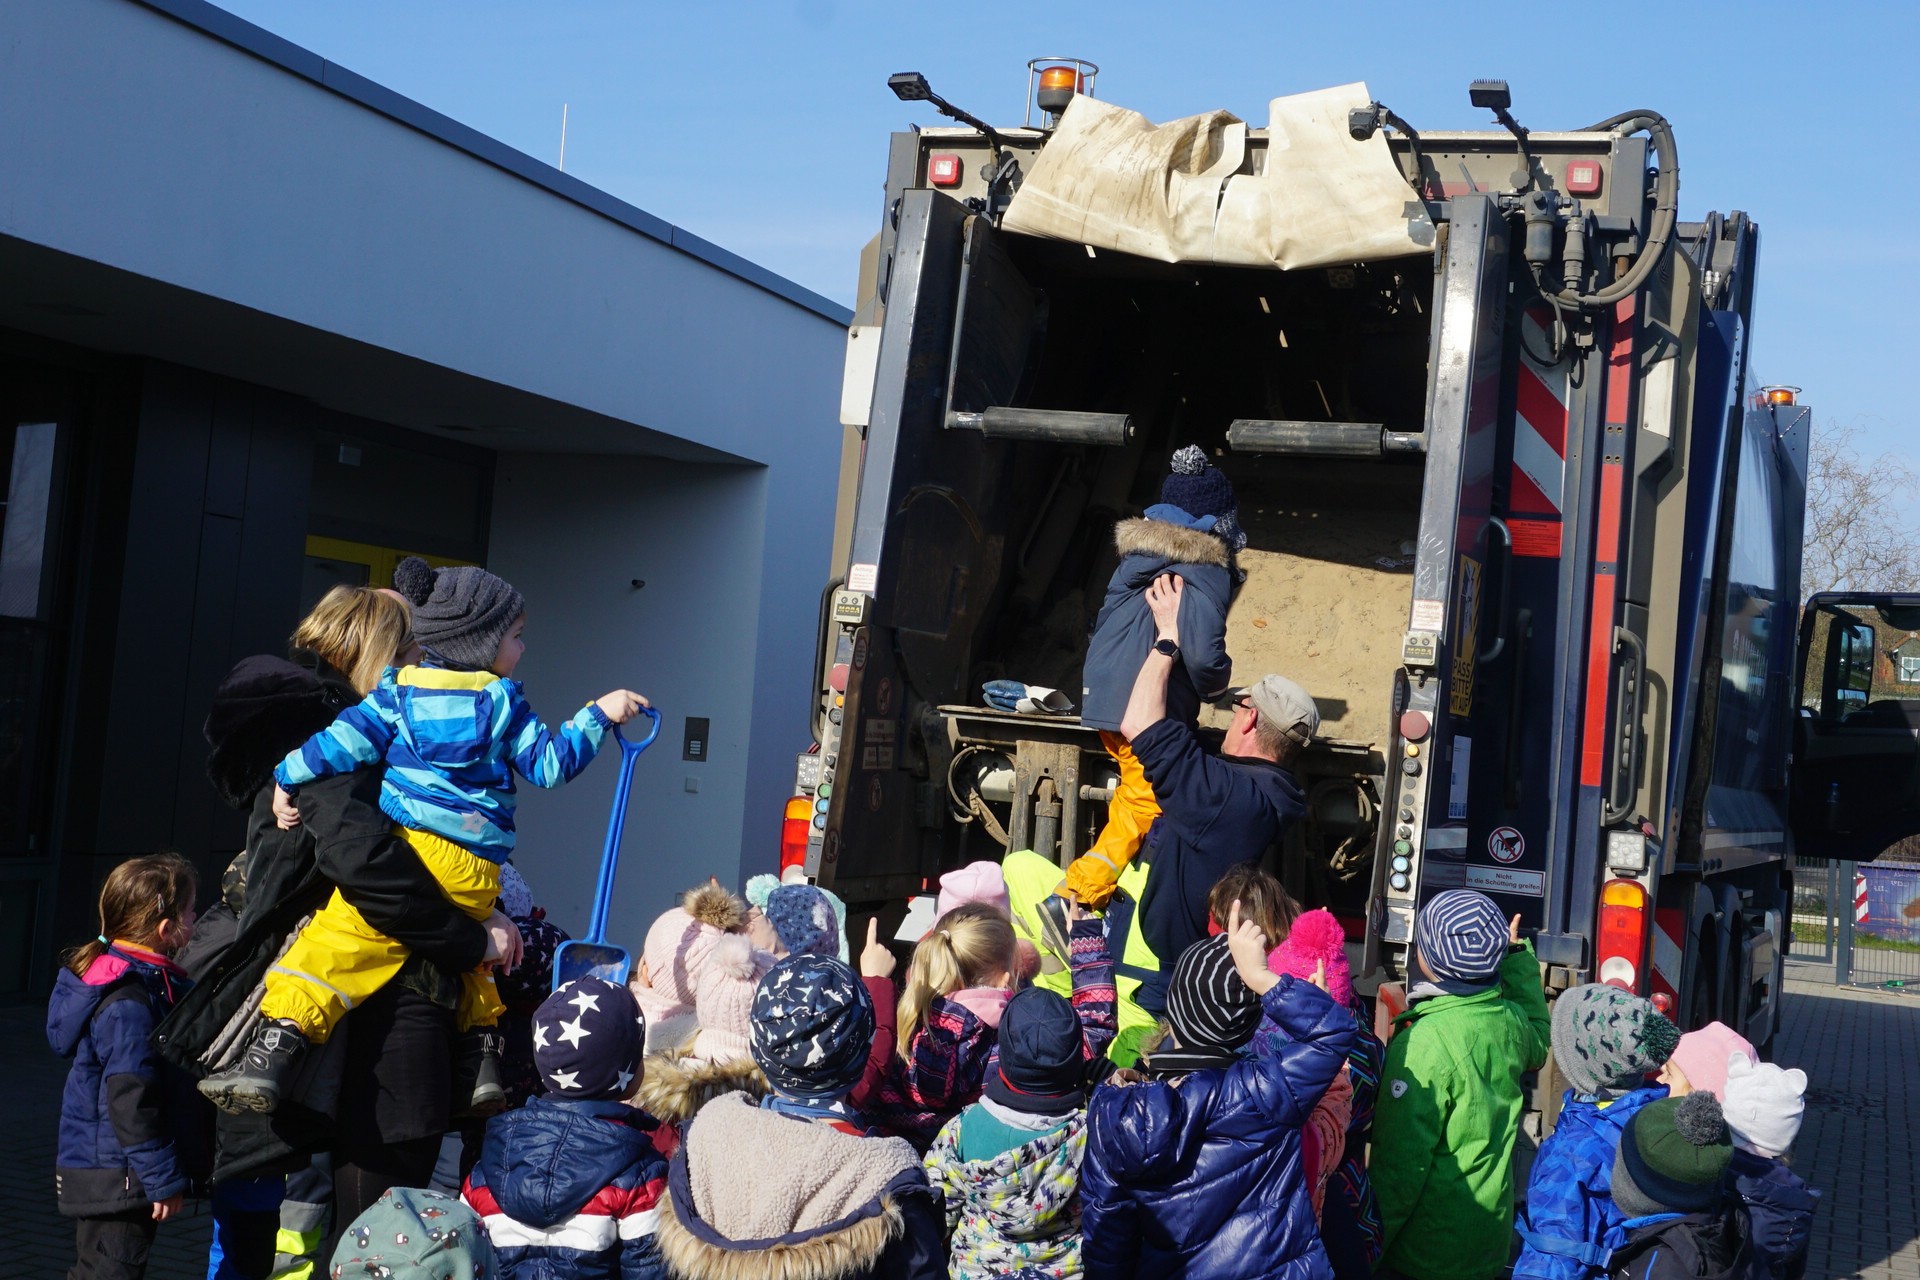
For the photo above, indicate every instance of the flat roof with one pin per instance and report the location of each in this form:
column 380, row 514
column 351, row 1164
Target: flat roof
column 288, row 56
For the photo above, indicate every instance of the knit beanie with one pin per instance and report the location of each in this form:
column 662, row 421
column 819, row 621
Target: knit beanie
column 1042, row 1065
column 1765, row 1105
column 516, row 896
column 679, row 942
column 460, row 613
column 803, row 918
column 412, row 1234
column 1605, row 1037
column 1209, row 1005
column 1673, row 1157
column 1316, row 936
column 1462, row 937
column 760, row 888
column 723, row 998
column 813, row 1023
column 1702, row 1057
column 976, row 882
column 588, row 1038
column 532, row 979
column 1199, row 488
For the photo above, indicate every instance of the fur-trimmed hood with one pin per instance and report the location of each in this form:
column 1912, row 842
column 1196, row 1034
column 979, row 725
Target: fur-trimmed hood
column 1169, row 542
column 265, row 708
column 676, row 1085
column 755, row 1195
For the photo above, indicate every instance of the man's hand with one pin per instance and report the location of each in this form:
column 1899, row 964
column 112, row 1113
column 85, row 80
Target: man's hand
column 1248, row 946
column 284, row 813
column 621, row 705
column 164, row 1209
column 876, row 958
column 1163, row 600
column 505, row 947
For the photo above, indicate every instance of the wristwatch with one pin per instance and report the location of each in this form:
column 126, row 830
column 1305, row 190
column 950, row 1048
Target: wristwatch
column 1167, row 647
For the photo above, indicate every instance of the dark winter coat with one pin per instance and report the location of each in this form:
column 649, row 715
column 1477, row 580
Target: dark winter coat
column 1215, row 813
column 1670, row 1247
column 570, row 1190
column 1567, row 1228
column 1779, row 1212
column 1202, row 1177
column 1124, row 631
column 264, row 708
column 127, row 1121
column 756, row 1195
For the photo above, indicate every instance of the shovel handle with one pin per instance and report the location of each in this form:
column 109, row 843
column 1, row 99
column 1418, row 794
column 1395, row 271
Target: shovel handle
column 610, row 856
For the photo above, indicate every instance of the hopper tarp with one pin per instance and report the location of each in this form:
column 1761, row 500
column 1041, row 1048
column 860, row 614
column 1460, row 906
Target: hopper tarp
column 1112, row 179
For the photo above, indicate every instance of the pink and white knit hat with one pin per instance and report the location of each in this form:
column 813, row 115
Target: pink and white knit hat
column 724, row 1000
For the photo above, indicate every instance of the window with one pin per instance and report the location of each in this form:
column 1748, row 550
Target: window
column 1907, row 668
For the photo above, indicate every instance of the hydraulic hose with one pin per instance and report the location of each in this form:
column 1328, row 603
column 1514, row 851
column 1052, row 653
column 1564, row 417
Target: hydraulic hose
column 1666, row 209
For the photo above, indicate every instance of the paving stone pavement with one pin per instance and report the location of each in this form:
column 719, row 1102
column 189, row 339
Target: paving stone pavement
column 1859, row 1146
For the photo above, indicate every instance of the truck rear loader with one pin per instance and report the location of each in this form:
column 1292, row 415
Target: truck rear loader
column 1519, row 519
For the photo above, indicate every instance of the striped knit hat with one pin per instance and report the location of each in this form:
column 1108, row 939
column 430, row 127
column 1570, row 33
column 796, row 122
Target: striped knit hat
column 1605, row 1037
column 1209, row 1006
column 1462, row 937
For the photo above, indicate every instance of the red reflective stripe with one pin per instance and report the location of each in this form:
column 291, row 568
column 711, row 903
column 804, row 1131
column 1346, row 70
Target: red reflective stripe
column 1606, row 549
column 1542, row 409
column 1528, row 497
column 1535, row 539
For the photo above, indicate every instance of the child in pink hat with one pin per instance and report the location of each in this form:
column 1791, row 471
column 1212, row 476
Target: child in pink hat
column 676, row 947
column 1699, row 1061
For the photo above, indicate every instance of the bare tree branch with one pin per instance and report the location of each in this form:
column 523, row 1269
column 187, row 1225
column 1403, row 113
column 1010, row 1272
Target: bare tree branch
column 1857, row 533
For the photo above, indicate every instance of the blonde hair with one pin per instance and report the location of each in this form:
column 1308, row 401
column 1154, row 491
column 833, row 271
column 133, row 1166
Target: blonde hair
column 140, row 894
column 359, row 631
column 967, row 946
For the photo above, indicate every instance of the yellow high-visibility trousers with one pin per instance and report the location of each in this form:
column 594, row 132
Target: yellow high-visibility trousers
column 1093, row 874
column 339, row 959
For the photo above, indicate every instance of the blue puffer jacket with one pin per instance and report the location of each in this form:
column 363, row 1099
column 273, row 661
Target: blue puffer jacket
column 127, row 1121
column 1569, row 1224
column 1125, row 631
column 1779, row 1212
column 570, row 1190
column 1201, row 1177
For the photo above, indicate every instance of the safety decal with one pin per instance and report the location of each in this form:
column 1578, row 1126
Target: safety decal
column 1506, row 845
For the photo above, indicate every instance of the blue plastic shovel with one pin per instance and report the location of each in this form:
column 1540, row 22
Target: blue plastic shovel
column 593, row 956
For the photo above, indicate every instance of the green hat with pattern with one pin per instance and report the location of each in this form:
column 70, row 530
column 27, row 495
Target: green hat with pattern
column 411, row 1234
column 1608, row 1038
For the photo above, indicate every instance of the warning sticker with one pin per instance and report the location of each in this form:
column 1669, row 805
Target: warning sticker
column 1532, row 884
column 872, row 758
column 875, row 730
column 1467, row 643
column 1506, row 845
column 863, row 577
column 1428, row 615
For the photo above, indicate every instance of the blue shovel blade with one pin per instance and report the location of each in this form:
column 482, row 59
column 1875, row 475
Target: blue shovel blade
column 579, row 959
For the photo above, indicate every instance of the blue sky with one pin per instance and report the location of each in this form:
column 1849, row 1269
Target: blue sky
column 763, row 126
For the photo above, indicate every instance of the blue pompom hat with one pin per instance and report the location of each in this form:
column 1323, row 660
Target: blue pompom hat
column 1199, row 488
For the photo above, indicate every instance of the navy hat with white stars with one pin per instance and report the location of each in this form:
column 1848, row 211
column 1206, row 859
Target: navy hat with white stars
column 587, row 1040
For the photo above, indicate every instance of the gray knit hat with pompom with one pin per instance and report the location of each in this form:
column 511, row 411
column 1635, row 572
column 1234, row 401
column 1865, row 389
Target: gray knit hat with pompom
column 460, row 613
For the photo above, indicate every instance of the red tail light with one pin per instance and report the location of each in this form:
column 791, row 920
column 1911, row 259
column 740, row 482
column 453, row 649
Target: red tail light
column 1622, row 945
column 794, row 830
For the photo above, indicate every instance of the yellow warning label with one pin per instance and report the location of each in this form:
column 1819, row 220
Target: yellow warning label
column 1467, row 638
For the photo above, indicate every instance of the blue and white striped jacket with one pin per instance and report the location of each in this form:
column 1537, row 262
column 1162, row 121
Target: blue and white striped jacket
column 451, row 741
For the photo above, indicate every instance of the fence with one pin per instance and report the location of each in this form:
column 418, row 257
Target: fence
column 1863, row 919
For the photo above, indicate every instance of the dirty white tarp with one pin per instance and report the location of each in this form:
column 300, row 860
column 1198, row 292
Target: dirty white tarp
column 1113, row 179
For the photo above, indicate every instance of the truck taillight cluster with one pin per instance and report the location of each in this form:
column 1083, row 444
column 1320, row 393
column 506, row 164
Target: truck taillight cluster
column 794, row 829
column 1621, row 944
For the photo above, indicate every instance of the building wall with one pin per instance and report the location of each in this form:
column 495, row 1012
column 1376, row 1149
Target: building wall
column 572, row 534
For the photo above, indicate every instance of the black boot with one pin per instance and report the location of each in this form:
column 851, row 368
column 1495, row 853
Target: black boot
column 255, row 1081
column 478, row 1086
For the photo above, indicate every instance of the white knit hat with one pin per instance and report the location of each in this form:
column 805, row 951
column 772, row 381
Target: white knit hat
column 1765, row 1104
column 724, row 999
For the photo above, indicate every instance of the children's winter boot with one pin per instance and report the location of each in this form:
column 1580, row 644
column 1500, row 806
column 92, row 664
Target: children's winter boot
column 255, row 1081
column 479, row 1085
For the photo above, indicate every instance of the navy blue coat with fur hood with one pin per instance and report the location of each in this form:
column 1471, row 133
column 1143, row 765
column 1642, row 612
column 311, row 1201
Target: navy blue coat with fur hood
column 1125, row 630
column 1201, row 1176
column 130, row 1126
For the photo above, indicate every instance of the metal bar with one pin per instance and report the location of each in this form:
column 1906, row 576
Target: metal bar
column 1056, row 426
column 1843, row 949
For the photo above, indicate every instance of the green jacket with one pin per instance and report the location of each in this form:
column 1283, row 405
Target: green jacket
column 1449, row 1111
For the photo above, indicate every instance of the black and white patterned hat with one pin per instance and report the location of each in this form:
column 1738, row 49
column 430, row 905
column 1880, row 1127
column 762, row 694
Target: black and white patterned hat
column 587, row 1040
column 812, row 1025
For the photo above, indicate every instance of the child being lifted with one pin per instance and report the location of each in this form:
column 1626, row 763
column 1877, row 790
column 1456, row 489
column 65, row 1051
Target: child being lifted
column 451, row 731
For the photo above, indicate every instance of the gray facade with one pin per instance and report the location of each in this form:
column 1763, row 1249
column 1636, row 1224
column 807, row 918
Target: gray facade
column 266, row 302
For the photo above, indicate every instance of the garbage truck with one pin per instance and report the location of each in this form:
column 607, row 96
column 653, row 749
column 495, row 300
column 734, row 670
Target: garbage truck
column 1520, row 519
